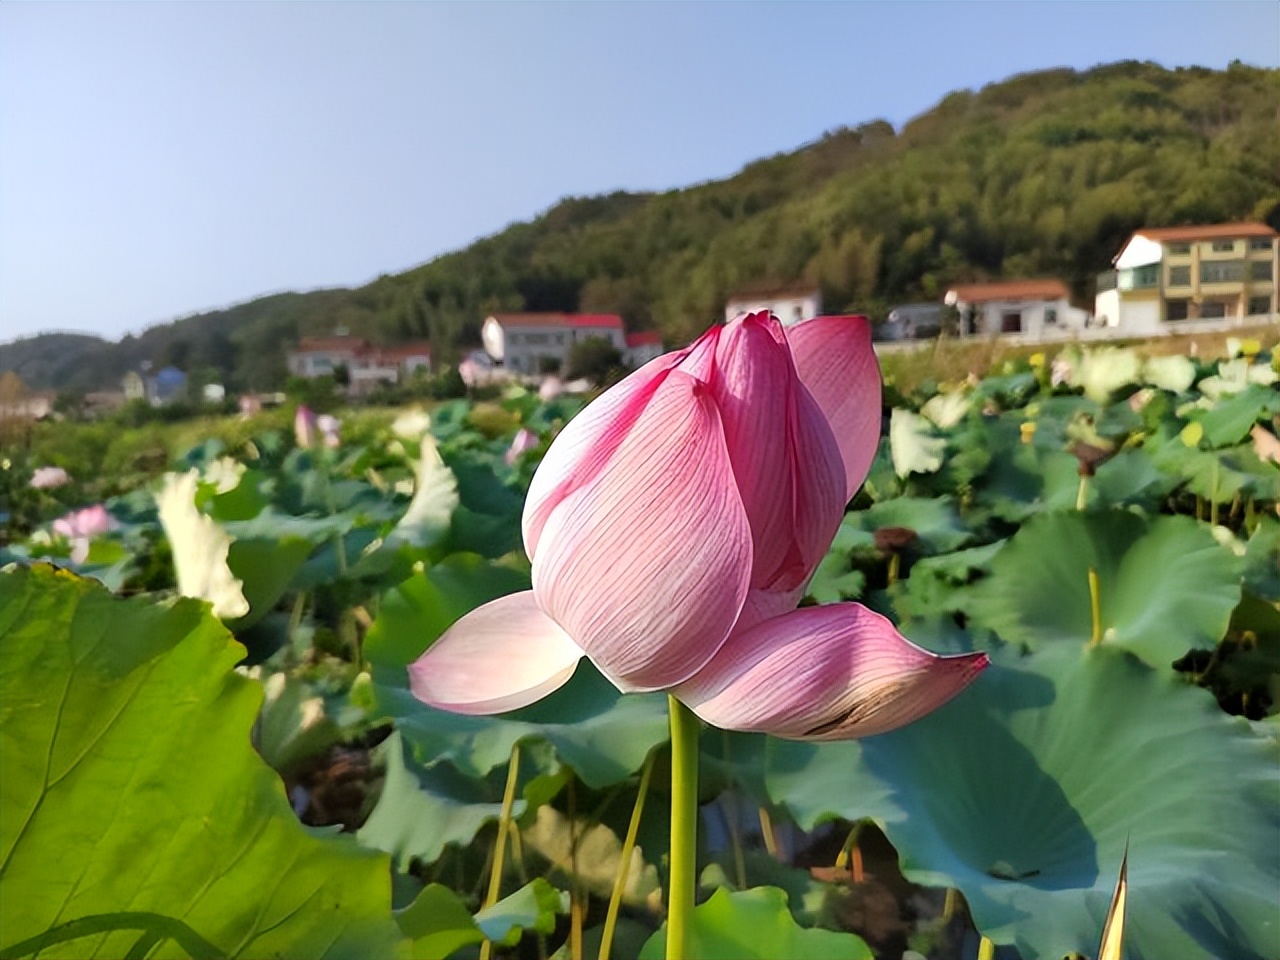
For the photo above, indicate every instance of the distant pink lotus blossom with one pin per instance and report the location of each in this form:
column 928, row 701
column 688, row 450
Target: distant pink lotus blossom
column 468, row 371
column 673, row 527
column 304, row 427
column 328, row 427
column 550, row 388
column 81, row 526
column 49, row 478
column 523, row 440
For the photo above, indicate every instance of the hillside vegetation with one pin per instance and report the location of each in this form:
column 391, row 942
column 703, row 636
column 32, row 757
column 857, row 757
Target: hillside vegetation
column 1043, row 174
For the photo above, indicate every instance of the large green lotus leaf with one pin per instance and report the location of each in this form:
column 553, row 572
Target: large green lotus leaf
column 1262, row 560
column 424, row 809
column 265, row 568
column 756, row 924
column 1022, row 479
column 1165, row 584
column 836, row 579
column 1231, row 418
column 1130, row 479
column 1024, row 791
column 131, row 785
column 1217, row 475
column 438, row 923
column 601, row 734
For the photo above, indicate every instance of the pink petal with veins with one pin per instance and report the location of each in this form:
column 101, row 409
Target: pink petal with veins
column 833, row 672
column 503, row 655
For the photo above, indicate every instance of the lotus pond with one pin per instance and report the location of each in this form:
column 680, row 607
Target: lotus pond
column 241, row 770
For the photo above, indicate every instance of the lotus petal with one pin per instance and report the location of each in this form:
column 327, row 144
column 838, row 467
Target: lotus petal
column 785, row 458
column 500, row 656
column 836, row 361
column 825, row 673
column 647, row 561
column 586, row 443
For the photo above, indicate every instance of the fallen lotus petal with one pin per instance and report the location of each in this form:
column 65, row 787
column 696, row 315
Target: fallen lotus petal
column 49, row 478
column 674, row 525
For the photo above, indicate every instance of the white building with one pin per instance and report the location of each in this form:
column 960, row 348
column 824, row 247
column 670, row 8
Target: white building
column 642, row 347
column 1035, row 309
column 367, row 366
column 791, row 305
column 538, row 344
column 1208, row 276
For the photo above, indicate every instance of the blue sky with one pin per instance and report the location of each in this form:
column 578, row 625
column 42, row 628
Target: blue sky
column 157, row 159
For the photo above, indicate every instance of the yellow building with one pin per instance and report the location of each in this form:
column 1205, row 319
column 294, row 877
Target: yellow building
column 1169, row 278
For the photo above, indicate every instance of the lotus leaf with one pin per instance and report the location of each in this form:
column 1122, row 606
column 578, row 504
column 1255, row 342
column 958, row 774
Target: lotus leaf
column 130, row 785
column 1024, row 791
column 1165, row 585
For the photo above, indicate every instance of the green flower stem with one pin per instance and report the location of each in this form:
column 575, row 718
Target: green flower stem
column 624, row 862
column 1095, row 607
column 331, row 502
column 1082, row 494
column 684, row 827
column 500, row 844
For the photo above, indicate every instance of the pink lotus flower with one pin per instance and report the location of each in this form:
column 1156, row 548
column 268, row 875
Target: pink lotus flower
column 304, row 427
column 523, row 440
column 49, row 478
column 81, row 526
column 328, row 426
column 673, row 527
column 550, row 388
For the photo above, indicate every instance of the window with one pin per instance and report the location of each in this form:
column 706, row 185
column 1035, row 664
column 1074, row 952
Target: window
column 1179, row 276
column 1223, row 246
column 1222, row 271
column 1259, row 306
column 1213, row 310
column 1050, row 315
column 513, row 337
column 1260, row 270
column 1179, row 249
column 1175, row 310
column 1259, row 243
column 1138, row 278
column 1011, row 321
column 560, row 338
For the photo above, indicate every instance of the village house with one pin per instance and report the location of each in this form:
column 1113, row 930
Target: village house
column 538, row 344
column 1191, row 277
column 367, row 366
column 642, row 346
column 791, row 305
column 1035, row 309
column 167, row 385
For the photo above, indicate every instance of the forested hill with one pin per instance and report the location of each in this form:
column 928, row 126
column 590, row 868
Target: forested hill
column 1042, row 174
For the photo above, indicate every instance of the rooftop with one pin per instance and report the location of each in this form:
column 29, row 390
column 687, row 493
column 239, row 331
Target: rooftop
column 1204, row 231
column 1045, row 289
